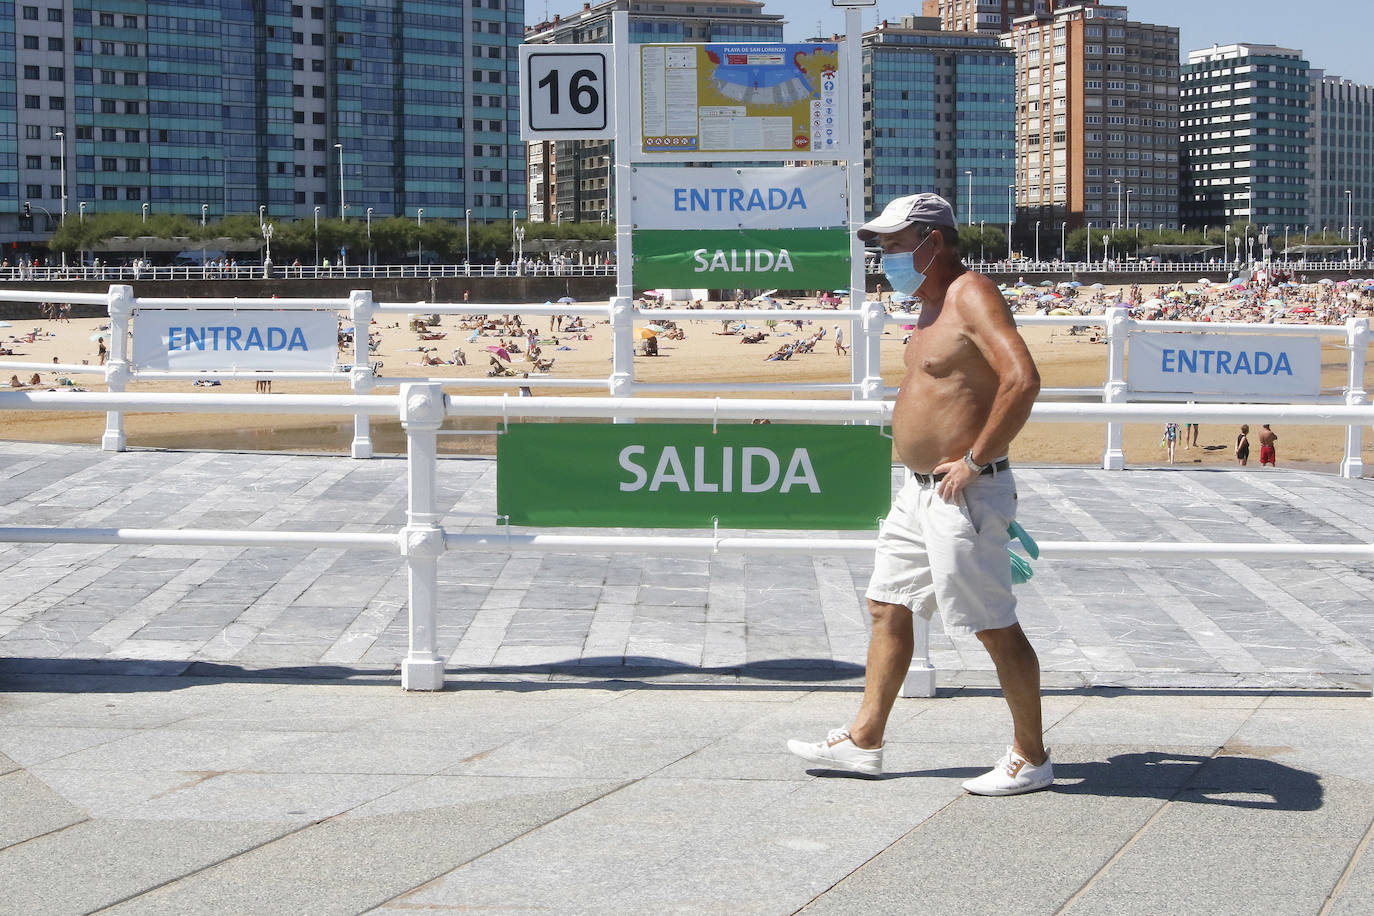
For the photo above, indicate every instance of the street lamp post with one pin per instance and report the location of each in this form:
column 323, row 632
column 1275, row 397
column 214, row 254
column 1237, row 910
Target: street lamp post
column 370, row 260
column 1117, row 182
column 1011, row 216
column 467, row 236
column 204, row 208
column 519, row 249
column 419, row 242
column 982, row 241
column 339, row 147
column 1349, row 217
column 1063, row 241
column 513, row 215
column 1127, row 223
column 969, row 173
column 62, row 147
column 145, row 231
column 1037, row 241
column 317, row 241
column 1226, row 242
column 1088, row 256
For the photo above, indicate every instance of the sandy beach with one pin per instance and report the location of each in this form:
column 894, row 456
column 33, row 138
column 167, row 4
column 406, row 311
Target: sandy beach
column 704, row 356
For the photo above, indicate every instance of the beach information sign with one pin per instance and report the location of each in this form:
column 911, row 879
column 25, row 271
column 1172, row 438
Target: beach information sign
column 679, row 475
column 721, row 228
column 192, row 340
column 1240, row 366
column 742, row 101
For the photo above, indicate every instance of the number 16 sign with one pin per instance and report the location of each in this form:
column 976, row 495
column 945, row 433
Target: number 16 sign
column 566, row 92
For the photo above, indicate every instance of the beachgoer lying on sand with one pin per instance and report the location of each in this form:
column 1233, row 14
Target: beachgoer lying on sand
column 543, row 365
column 756, row 337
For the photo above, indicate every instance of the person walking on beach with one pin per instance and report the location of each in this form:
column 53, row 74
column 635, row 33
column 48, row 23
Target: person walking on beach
column 969, row 386
column 1170, row 437
column 1268, row 453
column 1243, row 445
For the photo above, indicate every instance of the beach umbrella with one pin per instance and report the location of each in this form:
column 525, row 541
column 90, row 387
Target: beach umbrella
column 1174, row 294
column 1046, row 282
column 1203, row 281
column 1274, row 302
column 1119, row 305
column 1154, row 303
column 1049, row 298
column 1353, row 297
column 1098, row 286
column 501, row 352
column 1327, row 281
column 1075, row 284
column 839, row 292
column 1064, row 284
column 1022, row 283
column 5, row 324
column 1060, row 311
column 1302, row 310
column 567, row 299
column 646, row 333
column 658, row 329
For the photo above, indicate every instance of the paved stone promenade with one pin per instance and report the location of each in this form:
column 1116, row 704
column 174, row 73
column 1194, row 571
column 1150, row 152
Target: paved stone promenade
column 218, row 730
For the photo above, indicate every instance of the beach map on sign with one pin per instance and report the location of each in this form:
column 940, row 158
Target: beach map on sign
column 741, row 99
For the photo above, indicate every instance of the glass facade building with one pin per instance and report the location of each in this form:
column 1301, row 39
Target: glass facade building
column 938, row 116
column 1246, row 135
column 227, row 106
column 570, row 180
column 1343, row 156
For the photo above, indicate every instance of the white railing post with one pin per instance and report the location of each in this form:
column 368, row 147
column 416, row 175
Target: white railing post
column 622, row 381
column 422, row 539
column 1119, row 327
column 1357, row 338
column 117, row 369
column 867, row 353
column 360, row 309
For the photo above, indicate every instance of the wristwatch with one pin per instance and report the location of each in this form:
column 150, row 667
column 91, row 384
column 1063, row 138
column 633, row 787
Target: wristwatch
column 974, row 466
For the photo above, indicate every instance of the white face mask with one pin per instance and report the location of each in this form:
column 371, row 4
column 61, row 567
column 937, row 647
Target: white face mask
column 901, row 271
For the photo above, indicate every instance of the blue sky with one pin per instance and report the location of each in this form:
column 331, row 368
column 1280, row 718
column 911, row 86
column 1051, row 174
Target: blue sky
column 1335, row 35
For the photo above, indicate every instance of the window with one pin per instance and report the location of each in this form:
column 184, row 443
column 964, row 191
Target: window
column 298, row 117
column 107, row 47
column 300, row 197
column 55, row 44
column 31, row 13
column 317, row 66
column 33, row 162
column 130, row 22
column 85, row 133
column 107, row 106
column 317, row 92
column 133, row 108
column 299, row 143
column 107, row 77
column 320, row 197
column 133, row 193
column 57, row 74
column 31, row 42
column 33, row 190
column 33, row 132
column 317, row 146
column 54, row 14
column 31, row 72
column 131, row 50
column 133, row 165
column 108, row 135
column 317, row 40
column 298, row 91
column 109, row 164
column 32, row 101
column 317, row 117
column 109, row 193
column 318, row 172
column 107, row 20
column 132, row 136
column 130, row 78
column 55, row 163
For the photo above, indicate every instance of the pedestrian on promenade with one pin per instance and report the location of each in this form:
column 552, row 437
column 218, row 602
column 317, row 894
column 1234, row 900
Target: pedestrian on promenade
column 1170, row 437
column 1268, row 453
column 1243, row 445
column 969, row 387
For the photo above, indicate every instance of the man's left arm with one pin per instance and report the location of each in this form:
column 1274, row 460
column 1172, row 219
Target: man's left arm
column 993, row 331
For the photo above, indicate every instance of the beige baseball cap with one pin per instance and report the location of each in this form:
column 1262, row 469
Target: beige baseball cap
column 931, row 209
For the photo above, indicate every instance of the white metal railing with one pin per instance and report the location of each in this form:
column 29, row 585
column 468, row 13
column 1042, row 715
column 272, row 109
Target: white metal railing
column 866, row 324
column 421, row 542
column 530, row 268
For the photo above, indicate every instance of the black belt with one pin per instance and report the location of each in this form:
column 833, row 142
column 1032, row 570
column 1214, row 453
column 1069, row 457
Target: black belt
column 926, row 480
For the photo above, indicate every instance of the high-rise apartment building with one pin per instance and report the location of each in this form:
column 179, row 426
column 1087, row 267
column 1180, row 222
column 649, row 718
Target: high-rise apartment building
column 991, row 17
column 1096, row 120
column 938, row 111
column 1246, row 114
column 1343, row 156
column 571, row 180
column 226, row 106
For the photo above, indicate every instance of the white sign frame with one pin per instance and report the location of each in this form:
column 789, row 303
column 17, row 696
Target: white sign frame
column 260, row 340
column 542, row 114
column 1234, row 365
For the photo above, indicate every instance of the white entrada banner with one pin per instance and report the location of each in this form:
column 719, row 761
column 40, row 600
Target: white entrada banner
column 1240, row 364
column 739, row 198
column 288, row 340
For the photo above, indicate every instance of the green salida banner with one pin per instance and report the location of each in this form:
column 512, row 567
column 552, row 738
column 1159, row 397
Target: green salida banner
column 673, row 475
column 741, row 258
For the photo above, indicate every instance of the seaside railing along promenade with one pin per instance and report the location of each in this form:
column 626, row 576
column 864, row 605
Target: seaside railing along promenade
column 867, row 324
column 124, row 273
column 423, row 540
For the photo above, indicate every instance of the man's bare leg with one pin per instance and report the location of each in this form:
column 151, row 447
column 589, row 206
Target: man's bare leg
column 1018, row 670
column 889, row 657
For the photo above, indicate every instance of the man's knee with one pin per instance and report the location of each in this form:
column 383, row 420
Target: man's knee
column 1003, row 640
column 889, row 616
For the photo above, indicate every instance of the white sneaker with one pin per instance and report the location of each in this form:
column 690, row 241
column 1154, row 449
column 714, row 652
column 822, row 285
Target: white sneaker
column 839, row 752
column 1013, row 775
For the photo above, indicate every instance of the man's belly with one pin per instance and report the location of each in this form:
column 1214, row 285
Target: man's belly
column 934, row 422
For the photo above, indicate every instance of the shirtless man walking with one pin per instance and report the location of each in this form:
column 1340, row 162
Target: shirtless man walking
column 969, row 386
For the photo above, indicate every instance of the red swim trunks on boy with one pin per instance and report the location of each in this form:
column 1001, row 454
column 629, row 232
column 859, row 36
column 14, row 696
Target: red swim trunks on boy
column 1267, row 455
